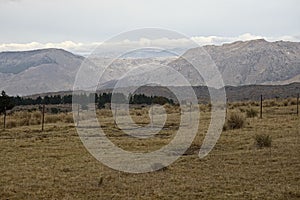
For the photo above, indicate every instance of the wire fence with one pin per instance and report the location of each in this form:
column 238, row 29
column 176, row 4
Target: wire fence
column 265, row 107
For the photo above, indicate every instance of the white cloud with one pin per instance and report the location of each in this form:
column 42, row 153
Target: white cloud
column 86, row 48
column 79, row 48
column 217, row 40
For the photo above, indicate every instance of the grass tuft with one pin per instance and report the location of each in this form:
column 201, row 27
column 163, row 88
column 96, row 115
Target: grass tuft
column 251, row 112
column 235, row 121
column 263, row 140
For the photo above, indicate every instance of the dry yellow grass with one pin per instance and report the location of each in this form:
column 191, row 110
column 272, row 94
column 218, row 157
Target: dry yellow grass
column 55, row 165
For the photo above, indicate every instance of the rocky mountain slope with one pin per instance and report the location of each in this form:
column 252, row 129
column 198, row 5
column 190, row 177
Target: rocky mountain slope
column 240, row 63
column 38, row 71
column 256, row 62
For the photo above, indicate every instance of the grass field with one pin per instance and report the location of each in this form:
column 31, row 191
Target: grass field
column 55, row 165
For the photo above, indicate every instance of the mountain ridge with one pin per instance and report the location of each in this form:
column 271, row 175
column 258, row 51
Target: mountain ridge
column 240, row 63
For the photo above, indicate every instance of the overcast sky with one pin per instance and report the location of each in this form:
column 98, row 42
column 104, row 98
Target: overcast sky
column 77, row 25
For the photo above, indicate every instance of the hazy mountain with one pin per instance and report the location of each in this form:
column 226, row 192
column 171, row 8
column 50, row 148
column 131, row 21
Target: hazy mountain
column 240, row 63
column 38, row 71
column 251, row 62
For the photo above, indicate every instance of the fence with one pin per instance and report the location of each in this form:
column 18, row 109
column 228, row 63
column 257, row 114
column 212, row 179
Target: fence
column 262, row 105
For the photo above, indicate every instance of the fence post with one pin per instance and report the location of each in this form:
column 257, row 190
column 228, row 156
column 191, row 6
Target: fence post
column 226, row 105
column 190, row 114
column 77, row 122
column 298, row 104
column 261, row 105
column 43, row 117
column 151, row 115
column 4, row 118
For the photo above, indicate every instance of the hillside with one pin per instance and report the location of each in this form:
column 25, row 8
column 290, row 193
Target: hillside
column 38, row 71
column 255, row 62
column 250, row 62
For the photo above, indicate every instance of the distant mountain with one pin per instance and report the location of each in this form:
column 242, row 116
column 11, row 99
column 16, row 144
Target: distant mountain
column 38, row 71
column 250, row 62
column 240, row 63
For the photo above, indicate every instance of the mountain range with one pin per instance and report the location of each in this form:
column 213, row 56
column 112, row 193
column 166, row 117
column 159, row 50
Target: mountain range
column 255, row 62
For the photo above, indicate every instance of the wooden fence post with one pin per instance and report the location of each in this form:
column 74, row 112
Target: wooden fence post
column 151, row 115
column 78, row 108
column 43, row 117
column 226, row 105
column 190, row 114
column 115, row 116
column 261, row 105
column 4, row 118
column 298, row 104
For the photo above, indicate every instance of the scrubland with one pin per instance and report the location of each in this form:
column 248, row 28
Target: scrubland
column 253, row 159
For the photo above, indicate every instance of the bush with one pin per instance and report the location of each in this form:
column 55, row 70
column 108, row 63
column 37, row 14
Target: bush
column 52, row 118
column 35, row 121
column 67, row 118
column 251, row 113
column 23, row 122
column 263, row 140
column 11, row 124
column 293, row 102
column 254, row 103
column 270, row 103
column 54, row 110
column 36, row 115
column 234, row 121
column 138, row 113
column 23, row 115
column 242, row 110
column 285, row 103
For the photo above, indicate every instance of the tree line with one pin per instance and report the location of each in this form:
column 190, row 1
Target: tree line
column 8, row 102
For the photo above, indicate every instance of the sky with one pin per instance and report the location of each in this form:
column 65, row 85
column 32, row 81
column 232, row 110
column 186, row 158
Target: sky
column 79, row 26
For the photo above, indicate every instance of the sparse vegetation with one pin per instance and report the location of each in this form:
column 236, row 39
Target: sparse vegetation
column 251, row 112
column 52, row 118
column 235, row 120
column 27, row 153
column 11, row 124
column 263, row 140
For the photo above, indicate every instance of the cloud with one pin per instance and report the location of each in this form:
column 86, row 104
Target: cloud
column 78, row 48
column 87, row 48
column 217, row 40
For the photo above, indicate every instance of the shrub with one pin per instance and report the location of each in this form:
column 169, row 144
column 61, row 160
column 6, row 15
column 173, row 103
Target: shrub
column 263, row 140
column 285, row 102
column 138, row 113
column 225, row 128
column 23, row 115
column 251, row 112
column 253, row 103
column 242, row 110
column 67, row 118
column 35, row 121
column 11, row 124
column 202, row 108
column 270, row 103
column 293, row 102
column 54, row 110
column 52, row 118
column 23, row 122
column 36, row 115
column 234, row 121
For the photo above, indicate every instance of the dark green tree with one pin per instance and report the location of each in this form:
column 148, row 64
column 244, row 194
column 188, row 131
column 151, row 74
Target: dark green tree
column 6, row 102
